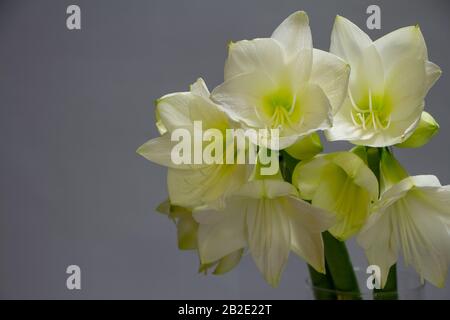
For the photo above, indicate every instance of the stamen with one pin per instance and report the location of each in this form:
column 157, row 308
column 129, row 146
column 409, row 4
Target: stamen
column 371, row 110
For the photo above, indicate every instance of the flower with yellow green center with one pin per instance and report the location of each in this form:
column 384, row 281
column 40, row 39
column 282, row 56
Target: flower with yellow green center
column 266, row 216
column 412, row 217
column 191, row 185
column 282, row 82
column 340, row 183
column 389, row 80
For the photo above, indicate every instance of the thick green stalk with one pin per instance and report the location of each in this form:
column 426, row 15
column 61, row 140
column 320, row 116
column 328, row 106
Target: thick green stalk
column 340, row 268
column 322, row 285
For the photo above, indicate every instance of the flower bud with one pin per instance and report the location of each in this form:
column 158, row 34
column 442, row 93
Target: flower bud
column 426, row 129
column 306, row 147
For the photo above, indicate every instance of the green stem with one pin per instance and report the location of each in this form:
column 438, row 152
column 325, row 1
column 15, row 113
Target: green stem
column 322, row 285
column 340, row 268
column 389, row 292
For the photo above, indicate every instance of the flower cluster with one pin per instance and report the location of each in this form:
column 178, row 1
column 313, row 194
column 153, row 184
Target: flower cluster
column 370, row 93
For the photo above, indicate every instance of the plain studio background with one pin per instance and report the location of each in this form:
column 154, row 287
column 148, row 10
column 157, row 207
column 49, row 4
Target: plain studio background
column 75, row 105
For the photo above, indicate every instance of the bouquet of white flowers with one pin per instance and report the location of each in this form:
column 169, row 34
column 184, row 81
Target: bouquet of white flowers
column 246, row 172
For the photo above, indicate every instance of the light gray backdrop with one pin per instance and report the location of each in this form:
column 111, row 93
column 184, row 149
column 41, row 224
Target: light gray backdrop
column 75, row 105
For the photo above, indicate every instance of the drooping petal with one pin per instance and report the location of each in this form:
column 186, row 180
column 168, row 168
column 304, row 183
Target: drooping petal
column 379, row 243
column 425, row 239
column 294, row 33
column 187, row 229
column 158, row 150
column 228, row 262
column 265, row 55
column 224, row 235
column 331, row 74
column 412, row 216
column 307, row 223
column 348, row 41
column 268, row 237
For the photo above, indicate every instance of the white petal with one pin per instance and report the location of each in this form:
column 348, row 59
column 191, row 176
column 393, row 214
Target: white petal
column 401, row 43
column 199, row 88
column 180, row 110
column 331, row 74
column 307, row 223
column 159, row 150
column 294, row 33
column 405, row 88
column 367, row 74
column 379, row 243
column 266, row 188
column 224, row 236
column 209, row 185
column 264, row 55
column 242, row 95
column 433, row 73
column 358, row 171
column 424, row 239
column 316, row 110
column 268, row 237
column 308, row 174
column 348, row 41
column 299, row 68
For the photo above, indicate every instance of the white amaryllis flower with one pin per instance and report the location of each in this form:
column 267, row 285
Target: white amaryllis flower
column 340, row 183
column 192, row 185
column 412, row 216
column 267, row 217
column 282, row 82
column 389, row 80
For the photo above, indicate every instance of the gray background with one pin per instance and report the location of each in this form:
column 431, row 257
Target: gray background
column 75, row 105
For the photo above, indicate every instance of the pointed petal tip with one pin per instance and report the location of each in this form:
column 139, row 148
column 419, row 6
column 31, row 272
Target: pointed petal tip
column 301, row 15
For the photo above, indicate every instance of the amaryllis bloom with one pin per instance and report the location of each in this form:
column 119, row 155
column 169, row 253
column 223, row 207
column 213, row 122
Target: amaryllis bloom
column 389, row 80
column 412, row 216
column 192, row 185
column 340, row 183
column 187, row 229
column 267, row 217
column 282, row 82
